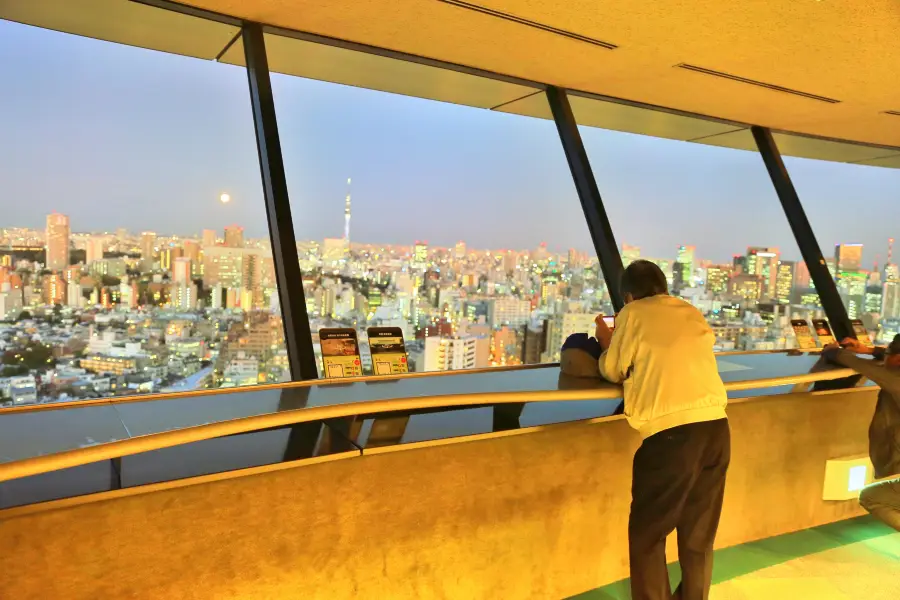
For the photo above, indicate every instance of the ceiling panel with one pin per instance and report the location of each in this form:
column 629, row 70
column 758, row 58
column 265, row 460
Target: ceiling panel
column 604, row 114
column 843, row 49
column 892, row 162
column 124, row 22
column 806, row 147
column 302, row 58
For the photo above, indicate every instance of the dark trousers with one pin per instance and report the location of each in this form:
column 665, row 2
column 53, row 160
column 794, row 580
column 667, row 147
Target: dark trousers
column 678, row 484
column 882, row 500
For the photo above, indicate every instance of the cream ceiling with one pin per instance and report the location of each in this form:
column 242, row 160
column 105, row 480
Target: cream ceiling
column 848, row 50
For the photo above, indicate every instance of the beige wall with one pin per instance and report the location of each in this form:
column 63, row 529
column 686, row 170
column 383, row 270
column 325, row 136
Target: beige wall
column 531, row 515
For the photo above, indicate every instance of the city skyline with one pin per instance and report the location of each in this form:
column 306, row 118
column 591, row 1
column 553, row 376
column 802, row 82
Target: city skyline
column 155, row 139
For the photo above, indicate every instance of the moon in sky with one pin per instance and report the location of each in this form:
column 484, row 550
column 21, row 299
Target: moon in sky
column 224, row 198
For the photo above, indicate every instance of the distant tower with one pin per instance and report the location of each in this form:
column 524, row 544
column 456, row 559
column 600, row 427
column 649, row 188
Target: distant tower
column 347, row 216
column 890, row 249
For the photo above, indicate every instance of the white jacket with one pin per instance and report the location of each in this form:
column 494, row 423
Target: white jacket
column 662, row 354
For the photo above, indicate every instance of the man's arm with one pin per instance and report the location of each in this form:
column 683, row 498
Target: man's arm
column 886, row 379
column 616, row 361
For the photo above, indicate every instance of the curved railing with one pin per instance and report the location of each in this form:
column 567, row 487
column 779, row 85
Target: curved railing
column 256, row 388
column 156, row 441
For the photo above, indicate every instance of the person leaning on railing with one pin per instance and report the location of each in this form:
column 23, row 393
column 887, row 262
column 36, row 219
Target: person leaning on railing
column 662, row 353
column 881, row 499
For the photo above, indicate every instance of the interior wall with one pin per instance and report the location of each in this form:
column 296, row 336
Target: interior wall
column 541, row 514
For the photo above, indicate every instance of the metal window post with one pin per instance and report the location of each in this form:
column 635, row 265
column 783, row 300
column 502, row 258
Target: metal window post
column 803, row 233
column 588, row 194
column 298, row 337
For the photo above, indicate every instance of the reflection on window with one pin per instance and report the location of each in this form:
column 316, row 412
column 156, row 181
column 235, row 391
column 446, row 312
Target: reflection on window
column 134, row 255
column 850, row 207
column 709, row 217
column 458, row 225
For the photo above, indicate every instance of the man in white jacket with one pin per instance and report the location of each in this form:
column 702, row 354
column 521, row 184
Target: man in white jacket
column 662, row 353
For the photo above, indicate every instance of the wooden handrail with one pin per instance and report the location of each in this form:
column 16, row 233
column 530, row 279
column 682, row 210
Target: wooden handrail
column 187, row 435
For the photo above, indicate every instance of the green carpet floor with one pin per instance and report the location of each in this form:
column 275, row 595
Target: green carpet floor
column 858, row 558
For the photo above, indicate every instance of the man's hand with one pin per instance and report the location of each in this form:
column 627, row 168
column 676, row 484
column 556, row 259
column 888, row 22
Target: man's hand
column 831, row 346
column 854, row 345
column 602, row 332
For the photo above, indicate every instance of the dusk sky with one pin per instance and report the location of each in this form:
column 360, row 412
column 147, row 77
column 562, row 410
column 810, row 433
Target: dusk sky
column 116, row 136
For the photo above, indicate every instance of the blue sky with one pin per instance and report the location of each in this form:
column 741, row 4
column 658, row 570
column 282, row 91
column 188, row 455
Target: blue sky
column 117, row 136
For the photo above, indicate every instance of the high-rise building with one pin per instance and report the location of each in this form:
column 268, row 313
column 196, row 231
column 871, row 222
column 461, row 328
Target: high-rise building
column 421, row 252
column 848, row 257
column 167, row 257
column 717, row 278
column 182, row 270
column 209, row 237
column 192, row 250
column 561, row 326
column 234, row 236
column 57, row 241
column 873, row 299
column 763, row 262
column 784, row 281
column 184, row 296
column 223, row 266
column 685, row 258
column 94, row 249
column 890, row 299
column 852, row 287
column 54, row 289
column 148, row 250
column 74, row 298
column 746, row 286
column 459, row 252
column 630, row 254
column 801, row 275
column 450, row 354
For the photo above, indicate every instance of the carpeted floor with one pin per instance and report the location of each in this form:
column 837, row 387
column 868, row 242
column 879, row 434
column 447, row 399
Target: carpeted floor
column 855, row 559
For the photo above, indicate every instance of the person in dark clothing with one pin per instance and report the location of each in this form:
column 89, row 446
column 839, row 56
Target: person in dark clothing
column 882, row 498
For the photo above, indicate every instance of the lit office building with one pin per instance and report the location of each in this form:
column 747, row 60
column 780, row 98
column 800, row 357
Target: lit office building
column 234, row 236
column 193, row 251
column 852, row 286
column 167, row 257
column 746, row 286
column 57, row 242
column 53, row 289
column 459, row 252
column 223, row 266
column 561, row 326
column 802, row 278
column 848, row 257
column 685, row 259
column 184, row 296
column 630, row 254
column 209, row 238
column 182, row 270
column 449, row 354
column 763, row 262
column 94, row 249
column 873, row 299
column 784, row 281
column 420, row 254
column 890, row 299
column 717, row 277
column 148, row 250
